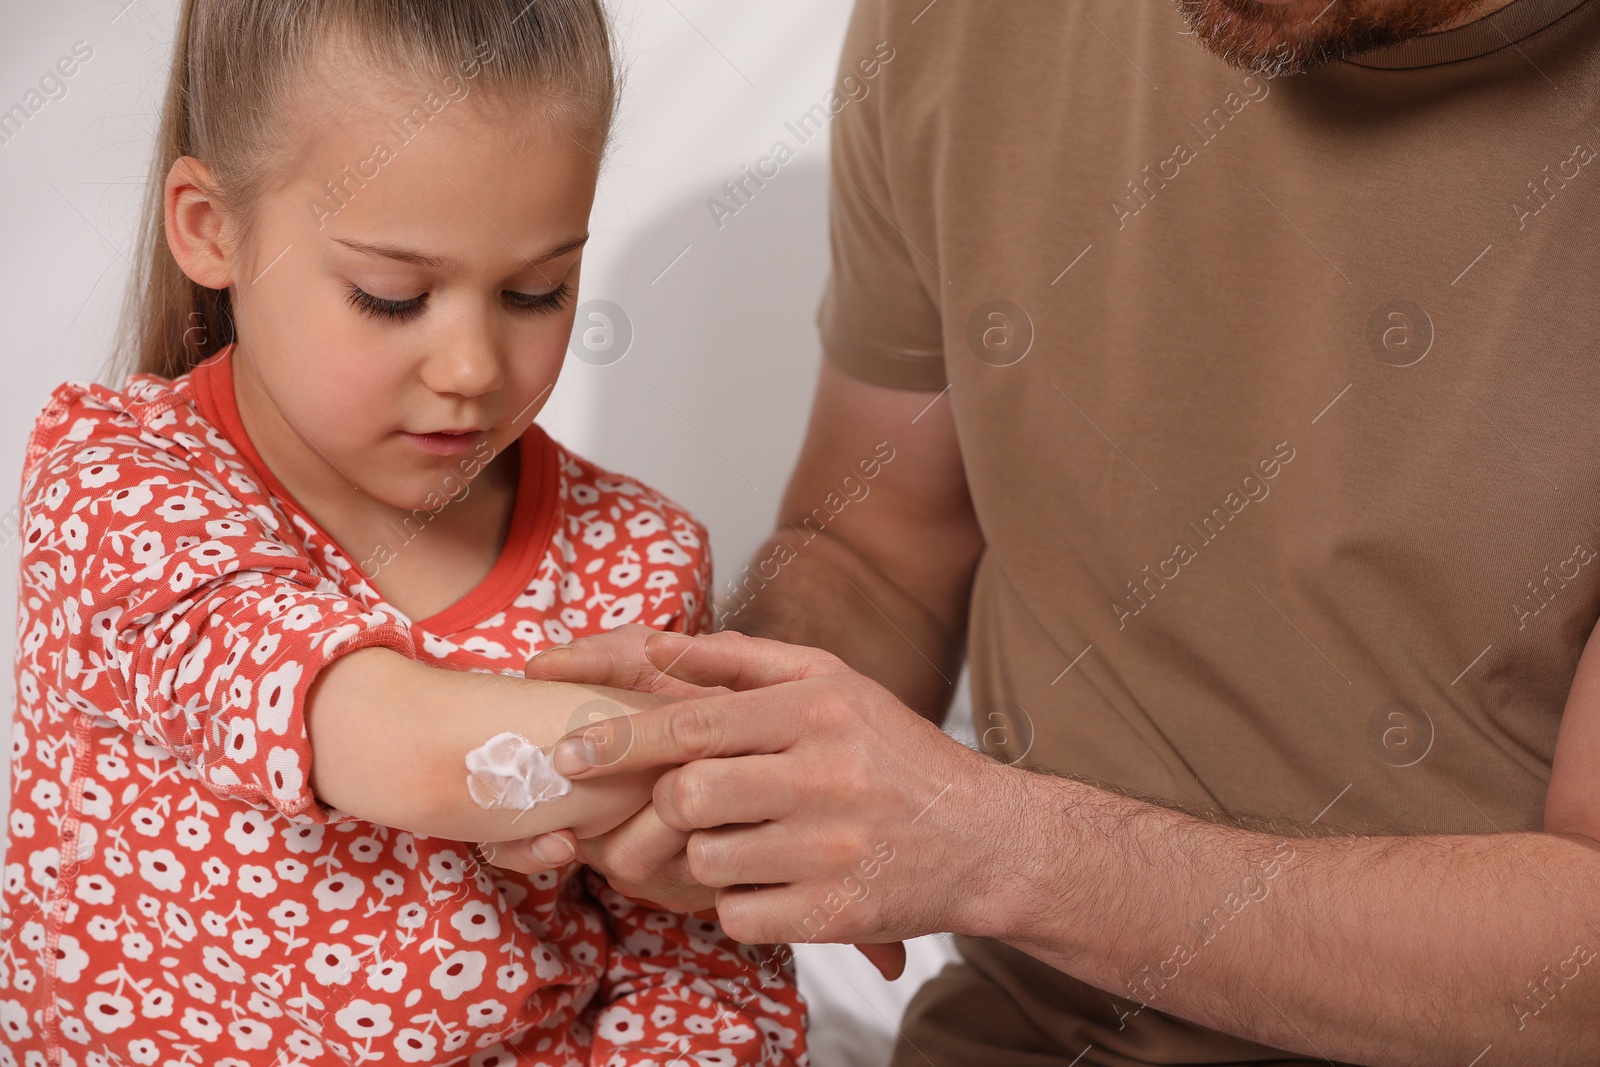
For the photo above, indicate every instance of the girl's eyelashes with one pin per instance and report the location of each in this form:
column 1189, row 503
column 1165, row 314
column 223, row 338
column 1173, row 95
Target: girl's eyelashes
column 546, row 303
column 403, row 310
column 378, row 307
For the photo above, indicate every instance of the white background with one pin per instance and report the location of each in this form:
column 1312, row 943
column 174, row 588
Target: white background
column 709, row 403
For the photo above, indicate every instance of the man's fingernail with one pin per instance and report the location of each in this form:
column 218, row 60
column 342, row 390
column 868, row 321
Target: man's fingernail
column 668, row 638
column 574, row 756
column 552, row 850
column 547, row 651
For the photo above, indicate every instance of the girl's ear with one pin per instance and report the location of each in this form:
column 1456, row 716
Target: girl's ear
column 195, row 223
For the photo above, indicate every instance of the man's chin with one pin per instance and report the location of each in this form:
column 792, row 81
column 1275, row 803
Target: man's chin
column 1274, row 39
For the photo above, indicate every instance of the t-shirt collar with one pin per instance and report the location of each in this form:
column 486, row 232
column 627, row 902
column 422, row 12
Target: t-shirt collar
column 1502, row 29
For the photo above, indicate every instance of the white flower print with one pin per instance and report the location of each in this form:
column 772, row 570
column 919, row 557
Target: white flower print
column 366, row 849
column 178, row 922
column 363, row 1019
column 458, row 974
column 47, row 794
column 241, row 742
column 14, row 1020
column 624, row 609
column 199, row 988
column 669, row 552
column 644, row 523
column 71, row 959
column 215, row 870
column 339, row 892
column 136, row 946
column 291, row 870
column 108, row 1012
column 275, row 697
column 619, row 1025
column 446, row 866
column 98, row 475
column 415, row 1046
column 486, row 1013
column 387, row 976
column 257, row 881
column 510, row 976
column 332, row 964
column 476, row 921
column 250, row 1035
column 250, row 942
column 248, row 833
column 200, row 1024
column 95, row 801
column 94, row 889
column 303, row 839
column 283, row 767
column 193, row 832
column 289, row 913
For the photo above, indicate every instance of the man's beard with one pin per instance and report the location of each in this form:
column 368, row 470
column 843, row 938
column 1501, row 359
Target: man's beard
column 1272, row 40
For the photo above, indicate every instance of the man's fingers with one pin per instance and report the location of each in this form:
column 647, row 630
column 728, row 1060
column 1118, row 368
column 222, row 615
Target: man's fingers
column 736, row 660
column 614, row 658
column 721, row 792
column 724, row 724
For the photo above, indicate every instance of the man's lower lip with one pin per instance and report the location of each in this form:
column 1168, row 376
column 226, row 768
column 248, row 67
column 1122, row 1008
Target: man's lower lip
column 442, row 444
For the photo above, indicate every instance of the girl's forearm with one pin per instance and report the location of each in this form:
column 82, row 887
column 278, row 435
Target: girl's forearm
column 390, row 738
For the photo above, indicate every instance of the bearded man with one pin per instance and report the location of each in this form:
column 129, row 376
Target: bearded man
column 1239, row 367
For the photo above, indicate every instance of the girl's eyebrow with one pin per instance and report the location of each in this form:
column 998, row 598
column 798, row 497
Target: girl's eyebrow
column 446, row 264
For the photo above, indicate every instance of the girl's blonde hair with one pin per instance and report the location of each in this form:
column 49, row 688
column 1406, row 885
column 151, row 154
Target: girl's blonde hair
column 241, row 91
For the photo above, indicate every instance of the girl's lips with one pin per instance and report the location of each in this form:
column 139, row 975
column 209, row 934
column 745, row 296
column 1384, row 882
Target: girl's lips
column 443, row 444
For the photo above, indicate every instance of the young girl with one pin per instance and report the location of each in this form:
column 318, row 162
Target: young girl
column 277, row 590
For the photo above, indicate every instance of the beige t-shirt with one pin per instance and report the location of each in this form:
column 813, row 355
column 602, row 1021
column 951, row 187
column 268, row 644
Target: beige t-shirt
column 1278, row 404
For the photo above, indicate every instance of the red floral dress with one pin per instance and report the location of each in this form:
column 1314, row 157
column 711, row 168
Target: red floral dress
column 174, row 892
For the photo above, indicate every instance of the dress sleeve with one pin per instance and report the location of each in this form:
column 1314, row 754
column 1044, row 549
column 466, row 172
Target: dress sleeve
column 676, row 986
column 181, row 613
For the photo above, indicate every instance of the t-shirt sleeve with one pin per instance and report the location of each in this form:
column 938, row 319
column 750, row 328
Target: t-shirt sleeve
column 878, row 321
column 181, row 614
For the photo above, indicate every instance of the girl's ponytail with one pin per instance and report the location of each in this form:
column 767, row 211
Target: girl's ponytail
column 169, row 323
column 242, row 85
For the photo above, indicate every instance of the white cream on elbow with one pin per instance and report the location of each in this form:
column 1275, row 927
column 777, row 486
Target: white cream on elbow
column 509, row 771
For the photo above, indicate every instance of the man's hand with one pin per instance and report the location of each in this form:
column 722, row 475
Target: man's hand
column 643, row 857
column 819, row 806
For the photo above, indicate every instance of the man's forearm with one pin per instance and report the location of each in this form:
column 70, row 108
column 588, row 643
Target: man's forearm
column 827, row 596
column 1380, row 950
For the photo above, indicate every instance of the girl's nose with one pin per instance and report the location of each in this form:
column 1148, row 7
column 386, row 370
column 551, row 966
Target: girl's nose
column 468, row 365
